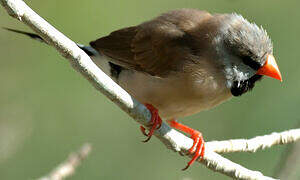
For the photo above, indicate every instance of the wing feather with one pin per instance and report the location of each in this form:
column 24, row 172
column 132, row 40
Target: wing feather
column 156, row 47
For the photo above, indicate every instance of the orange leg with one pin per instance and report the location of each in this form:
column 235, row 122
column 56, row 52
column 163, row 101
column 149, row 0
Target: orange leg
column 155, row 122
column 198, row 147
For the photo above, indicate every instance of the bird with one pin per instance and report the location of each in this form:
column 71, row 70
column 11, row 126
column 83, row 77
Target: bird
column 183, row 62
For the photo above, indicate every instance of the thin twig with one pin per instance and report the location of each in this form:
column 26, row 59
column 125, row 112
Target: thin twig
column 256, row 143
column 82, row 63
column 68, row 167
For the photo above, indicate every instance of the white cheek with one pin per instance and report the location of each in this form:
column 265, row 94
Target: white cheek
column 243, row 72
column 239, row 72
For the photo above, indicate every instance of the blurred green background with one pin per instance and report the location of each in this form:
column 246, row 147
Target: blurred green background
column 48, row 110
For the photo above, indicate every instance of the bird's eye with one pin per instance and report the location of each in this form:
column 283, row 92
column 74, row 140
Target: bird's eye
column 250, row 62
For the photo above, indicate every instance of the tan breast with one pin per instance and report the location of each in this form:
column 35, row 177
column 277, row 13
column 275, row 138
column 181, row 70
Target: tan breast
column 200, row 87
column 178, row 95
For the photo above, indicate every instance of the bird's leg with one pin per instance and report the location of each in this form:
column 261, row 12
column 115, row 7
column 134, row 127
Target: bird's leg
column 155, row 122
column 198, row 147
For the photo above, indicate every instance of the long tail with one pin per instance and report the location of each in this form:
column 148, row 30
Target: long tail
column 87, row 49
column 109, row 68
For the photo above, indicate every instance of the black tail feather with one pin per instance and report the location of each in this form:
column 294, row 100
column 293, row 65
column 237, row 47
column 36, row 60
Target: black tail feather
column 87, row 49
column 31, row 35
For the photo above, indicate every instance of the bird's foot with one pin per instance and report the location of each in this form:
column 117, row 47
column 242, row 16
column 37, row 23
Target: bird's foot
column 198, row 147
column 155, row 122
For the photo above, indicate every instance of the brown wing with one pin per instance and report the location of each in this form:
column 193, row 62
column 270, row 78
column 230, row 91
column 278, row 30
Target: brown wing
column 156, row 47
column 117, row 46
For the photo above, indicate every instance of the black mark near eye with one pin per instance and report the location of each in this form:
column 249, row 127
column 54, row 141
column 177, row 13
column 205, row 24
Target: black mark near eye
column 250, row 62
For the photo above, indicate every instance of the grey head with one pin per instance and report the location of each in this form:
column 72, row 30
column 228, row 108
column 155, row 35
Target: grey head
column 242, row 48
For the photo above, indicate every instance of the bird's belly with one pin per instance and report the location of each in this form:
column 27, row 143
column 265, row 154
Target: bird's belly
column 173, row 97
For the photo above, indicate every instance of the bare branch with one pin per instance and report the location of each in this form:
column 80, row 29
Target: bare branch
column 67, row 168
column 218, row 163
column 82, row 63
column 254, row 144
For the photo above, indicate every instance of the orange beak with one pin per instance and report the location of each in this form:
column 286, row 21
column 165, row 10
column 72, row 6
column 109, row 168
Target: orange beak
column 270, row 68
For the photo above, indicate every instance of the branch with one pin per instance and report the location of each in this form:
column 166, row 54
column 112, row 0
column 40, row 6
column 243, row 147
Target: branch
column 83, row 64
column 68, row 167
column 254, row 144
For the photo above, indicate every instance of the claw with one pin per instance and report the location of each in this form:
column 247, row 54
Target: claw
column 155, row 122
column 198, row 147
column 143, row 131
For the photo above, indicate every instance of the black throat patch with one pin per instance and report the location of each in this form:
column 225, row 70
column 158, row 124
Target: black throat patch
column 239, row 88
